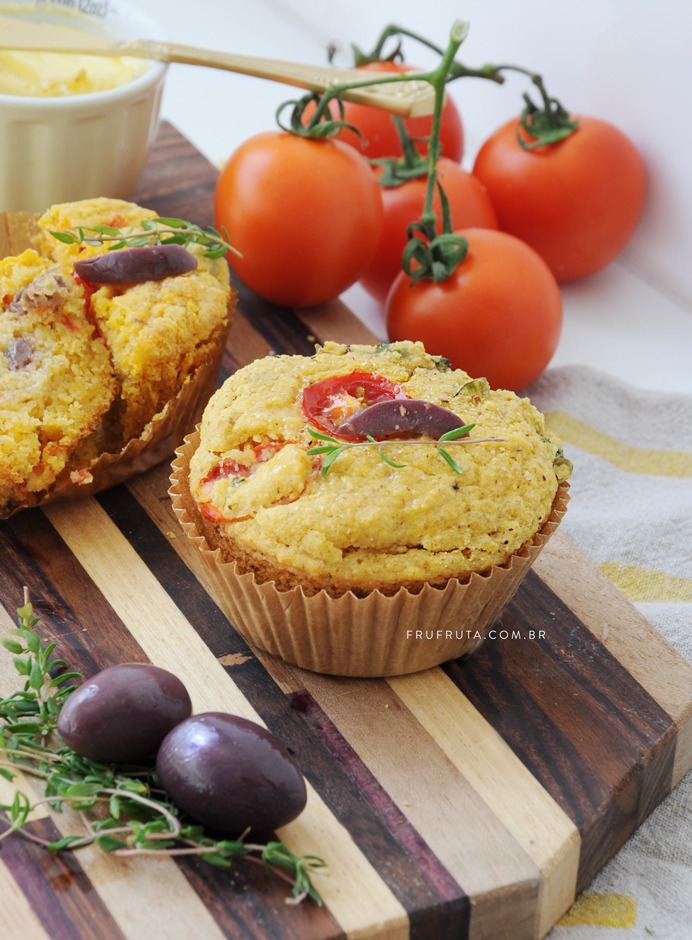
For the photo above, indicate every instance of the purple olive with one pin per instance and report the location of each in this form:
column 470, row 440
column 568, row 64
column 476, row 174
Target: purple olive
column 136, row 265
column 230, row 774
column 401, row 416
column 122, row 714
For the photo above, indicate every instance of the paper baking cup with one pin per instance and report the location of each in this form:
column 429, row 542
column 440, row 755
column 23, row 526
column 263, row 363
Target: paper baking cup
column 375, row 635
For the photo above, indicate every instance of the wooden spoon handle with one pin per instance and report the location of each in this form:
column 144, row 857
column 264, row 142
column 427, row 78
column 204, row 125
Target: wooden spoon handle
column 408, row 98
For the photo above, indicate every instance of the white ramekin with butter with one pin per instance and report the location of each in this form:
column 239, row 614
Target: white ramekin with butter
column 73, row 127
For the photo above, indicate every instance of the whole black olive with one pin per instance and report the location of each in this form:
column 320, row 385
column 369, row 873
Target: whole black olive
column 122, row 714
column 230, row 774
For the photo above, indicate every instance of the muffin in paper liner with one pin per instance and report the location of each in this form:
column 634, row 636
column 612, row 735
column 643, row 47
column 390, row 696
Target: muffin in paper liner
column 373, row 636
column 86, row 475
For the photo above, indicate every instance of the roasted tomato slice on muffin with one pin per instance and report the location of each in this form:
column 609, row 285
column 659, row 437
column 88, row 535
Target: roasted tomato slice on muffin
column 329, row 403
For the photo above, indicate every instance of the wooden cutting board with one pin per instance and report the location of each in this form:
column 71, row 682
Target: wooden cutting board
column 473, row 800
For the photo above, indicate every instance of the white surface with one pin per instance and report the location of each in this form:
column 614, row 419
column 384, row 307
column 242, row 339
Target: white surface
column 608, row 58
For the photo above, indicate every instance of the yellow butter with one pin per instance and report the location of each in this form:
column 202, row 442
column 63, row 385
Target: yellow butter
column 53, row 74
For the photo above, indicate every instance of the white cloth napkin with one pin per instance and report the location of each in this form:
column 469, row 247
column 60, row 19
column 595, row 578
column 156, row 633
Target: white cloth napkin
column 630, row 512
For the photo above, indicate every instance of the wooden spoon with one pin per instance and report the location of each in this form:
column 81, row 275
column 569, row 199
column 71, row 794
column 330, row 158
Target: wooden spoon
column 406, row 98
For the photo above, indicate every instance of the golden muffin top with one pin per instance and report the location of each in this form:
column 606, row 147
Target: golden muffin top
column 373, row 465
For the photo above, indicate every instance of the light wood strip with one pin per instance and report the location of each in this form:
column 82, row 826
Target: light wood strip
column 19, row 922
column 170, row 641
column 525, row 809
column 644, row 653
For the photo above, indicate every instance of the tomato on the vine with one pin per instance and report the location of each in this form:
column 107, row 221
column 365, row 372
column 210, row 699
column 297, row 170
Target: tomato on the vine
column 305, row 214
column 576, row 202
column 469, row 204
column 379, row 134
column 498, row 315
column 329, row 402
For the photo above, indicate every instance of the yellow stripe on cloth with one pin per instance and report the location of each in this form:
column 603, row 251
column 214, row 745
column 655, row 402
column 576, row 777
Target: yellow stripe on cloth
column 666, row 463
column 646, row 584
column 601, row 910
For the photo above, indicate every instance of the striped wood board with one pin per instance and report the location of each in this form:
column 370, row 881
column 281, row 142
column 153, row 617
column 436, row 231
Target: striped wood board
column 473, row 800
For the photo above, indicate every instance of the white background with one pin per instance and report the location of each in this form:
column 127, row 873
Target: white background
column 624, row 60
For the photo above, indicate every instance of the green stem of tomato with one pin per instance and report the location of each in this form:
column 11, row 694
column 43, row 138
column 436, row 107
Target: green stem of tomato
column 456, row 69
column 438, row 80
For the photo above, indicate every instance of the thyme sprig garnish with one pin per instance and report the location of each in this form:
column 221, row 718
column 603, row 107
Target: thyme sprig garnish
column 157, row 231
column 124, row 813
column 331, row 448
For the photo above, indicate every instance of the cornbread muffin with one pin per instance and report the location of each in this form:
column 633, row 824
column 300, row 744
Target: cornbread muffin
column 366, row 524
column 86, row 369
column 366, row 511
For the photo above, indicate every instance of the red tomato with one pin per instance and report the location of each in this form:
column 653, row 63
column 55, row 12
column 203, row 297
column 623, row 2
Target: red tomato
column 380, row 137
column 306, row 215
column 499, row 315
column 328, row 403
column 577, row 202
column 469, row 204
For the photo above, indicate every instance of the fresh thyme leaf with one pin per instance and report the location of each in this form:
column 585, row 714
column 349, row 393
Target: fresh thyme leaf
column 322, row 449
column 383, row 456
column 321, row 437
column 456, row 432
column 447, row 457
column 331, row 457
column 389, row 461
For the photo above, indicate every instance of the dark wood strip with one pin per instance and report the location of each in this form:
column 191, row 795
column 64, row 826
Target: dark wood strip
column 281, row 328
column 56, row 886
column 598, row 743
column 249, row 904
column 89, row 634
column 177, row 181
column 363, row 812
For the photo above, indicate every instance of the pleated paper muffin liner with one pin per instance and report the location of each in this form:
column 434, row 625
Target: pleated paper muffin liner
column 376, row 635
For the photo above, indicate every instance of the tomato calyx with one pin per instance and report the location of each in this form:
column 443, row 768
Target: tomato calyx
column 320, row 124
column 429, row 254
column 546, row 124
